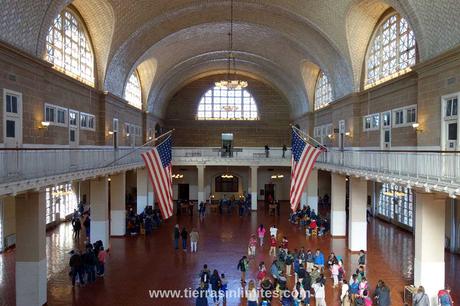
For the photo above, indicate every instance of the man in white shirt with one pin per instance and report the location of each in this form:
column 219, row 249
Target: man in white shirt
column 273, row 231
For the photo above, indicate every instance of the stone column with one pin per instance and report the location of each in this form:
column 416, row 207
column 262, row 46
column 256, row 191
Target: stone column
column 357, row 223
column 142, row 183
column 304, row 198
column 254, row 187
column 150, row 194
column 338, row 212
column 201, row 197
column 30, row 255
column 118, row 204
column 312, row 190
column 429, row 266
column 99, row 203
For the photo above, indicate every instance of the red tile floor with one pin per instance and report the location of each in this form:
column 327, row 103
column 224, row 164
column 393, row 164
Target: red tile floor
column 138, row 264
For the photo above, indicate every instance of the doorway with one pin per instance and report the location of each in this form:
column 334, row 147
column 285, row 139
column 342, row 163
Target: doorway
column 269, row 192
column 183, row 192
column 12, row 121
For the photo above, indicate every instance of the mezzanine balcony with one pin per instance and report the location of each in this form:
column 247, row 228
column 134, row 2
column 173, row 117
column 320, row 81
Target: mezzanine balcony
column 29, row 168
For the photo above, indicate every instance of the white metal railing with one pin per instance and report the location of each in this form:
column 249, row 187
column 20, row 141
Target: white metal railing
column 27, row 164
column 431, row 165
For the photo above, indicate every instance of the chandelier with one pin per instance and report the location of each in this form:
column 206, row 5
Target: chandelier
column 229, row 108
column 231, row 83
column 226, row 176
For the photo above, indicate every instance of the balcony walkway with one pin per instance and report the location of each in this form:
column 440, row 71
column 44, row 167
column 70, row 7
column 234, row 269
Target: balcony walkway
column 25, row 169
column 137, row 264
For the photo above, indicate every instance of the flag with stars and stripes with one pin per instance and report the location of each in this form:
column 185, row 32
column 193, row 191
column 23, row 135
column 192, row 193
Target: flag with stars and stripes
column 303, row 159
column 158, row 163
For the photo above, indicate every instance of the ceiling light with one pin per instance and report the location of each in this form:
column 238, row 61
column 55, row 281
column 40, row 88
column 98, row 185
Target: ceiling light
column 231, row 83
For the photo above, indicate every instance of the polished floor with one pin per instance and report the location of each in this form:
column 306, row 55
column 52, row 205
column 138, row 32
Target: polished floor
column 139, row 264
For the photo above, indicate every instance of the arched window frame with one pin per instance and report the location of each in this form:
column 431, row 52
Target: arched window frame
column 133, row 91
column 213, row 102
column 411, row 51
column 85, row 62
column 323, row 91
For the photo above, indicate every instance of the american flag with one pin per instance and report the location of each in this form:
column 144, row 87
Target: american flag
column 158, row 163
column 303, row 159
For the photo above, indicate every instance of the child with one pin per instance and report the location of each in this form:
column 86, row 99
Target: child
column 101, row 258
column 341, row 271
column 363, row 286
column 273, row 244
column 335, row 274
column 261, row 233
column 362, row 259
column 261, row 274
column 252, row 246
column 284, row 244
column 243, row 267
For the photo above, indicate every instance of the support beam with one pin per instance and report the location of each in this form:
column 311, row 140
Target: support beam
column 338, row 212
column 357, row 223
column 118, row 205
column 201, row 197
column 31, row 268
column 312, row 190
column 429, row 265
column 99, row 202
column 142, row 193
column 254, row 187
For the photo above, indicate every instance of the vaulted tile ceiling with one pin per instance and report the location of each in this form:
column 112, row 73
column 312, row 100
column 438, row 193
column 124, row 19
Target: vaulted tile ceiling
column 172, row 42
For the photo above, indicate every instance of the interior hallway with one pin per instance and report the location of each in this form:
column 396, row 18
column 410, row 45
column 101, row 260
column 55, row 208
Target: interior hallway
column 137, row 264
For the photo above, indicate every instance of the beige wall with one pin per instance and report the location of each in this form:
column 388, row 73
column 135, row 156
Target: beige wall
column 9, row 216
column 271, row 129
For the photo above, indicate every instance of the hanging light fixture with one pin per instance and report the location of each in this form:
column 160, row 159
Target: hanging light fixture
column 231, row 83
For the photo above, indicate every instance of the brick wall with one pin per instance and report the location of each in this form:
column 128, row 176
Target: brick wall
column 271, row 129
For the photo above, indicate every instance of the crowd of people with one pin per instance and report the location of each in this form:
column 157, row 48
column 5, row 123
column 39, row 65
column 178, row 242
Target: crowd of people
column 85, row 266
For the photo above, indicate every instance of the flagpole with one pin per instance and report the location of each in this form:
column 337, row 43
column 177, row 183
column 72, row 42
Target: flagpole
column 302, row 133
column 138, row 148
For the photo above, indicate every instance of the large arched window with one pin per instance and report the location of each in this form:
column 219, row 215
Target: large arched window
column 323, row 91
column 133, row 93
column 68, row 47
column 227, row 104
column 391, row 52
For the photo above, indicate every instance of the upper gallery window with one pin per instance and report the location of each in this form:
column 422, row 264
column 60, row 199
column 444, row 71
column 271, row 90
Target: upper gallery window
column 392, row 51
column 133, row 93
column 323, row 91
column 68, row 47
column 227, row 104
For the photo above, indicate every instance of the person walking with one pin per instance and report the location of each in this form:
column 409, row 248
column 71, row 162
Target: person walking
column 273, row 231
column 252, row 246
column 76, row 267
column 320, row 293
column 101, row 256
column 87, row 224
column 176, row 235
column 382, row 294
column 76, row 224
column 215, row 286
column 267, row 151
column 242, row 266
column 184, row 236
column 273, row 244
column 444, row 298
column 261, row 234
column 421, row 298
column 284, row 150
column 194, row 236
column 251, row 294
column 201, row 295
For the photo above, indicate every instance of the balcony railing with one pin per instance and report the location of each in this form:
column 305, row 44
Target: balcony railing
column 427, row 165
column 29, row 164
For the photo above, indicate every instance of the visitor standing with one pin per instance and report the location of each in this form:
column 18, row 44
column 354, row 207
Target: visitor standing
column 194, row 236
column 176, row 235
column 242, row 266
column 284, row 150
column 251, row 294
column 267, row 150
column 261, row 234
column 421, row 298
column 76, row 224
column 320, row 293
column 184, row 236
